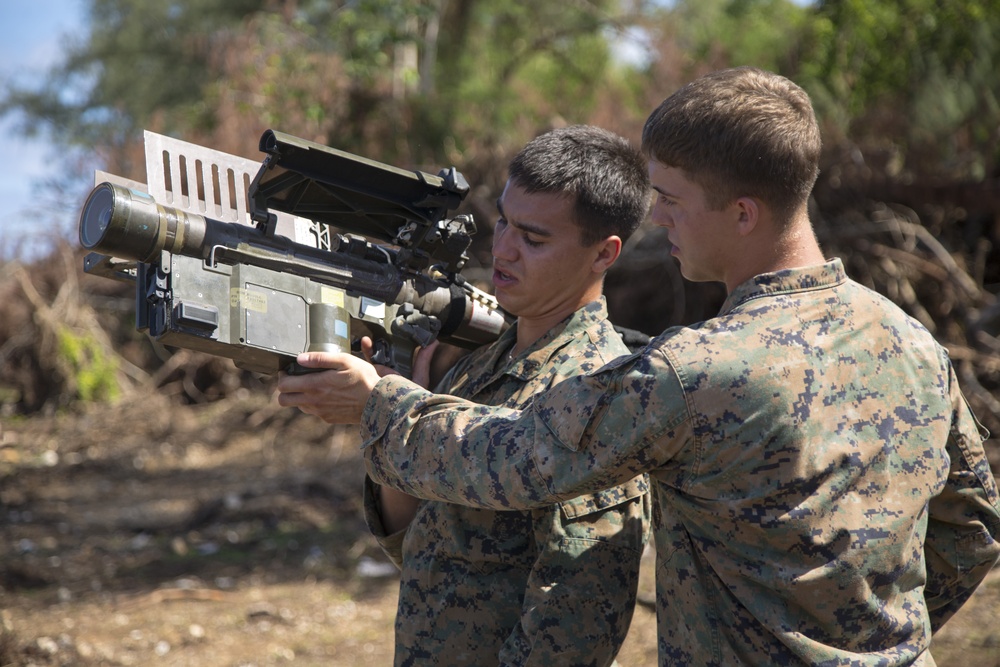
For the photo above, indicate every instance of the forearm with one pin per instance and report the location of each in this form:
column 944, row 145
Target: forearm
column 582, row 435
column 438, row 447
column 391, row 542
column 397, row 508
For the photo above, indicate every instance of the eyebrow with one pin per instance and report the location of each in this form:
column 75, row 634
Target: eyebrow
column 523, row 226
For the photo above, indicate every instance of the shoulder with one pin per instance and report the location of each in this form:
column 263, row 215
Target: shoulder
column 868, row 308
column 604, row 341
column 580, row 350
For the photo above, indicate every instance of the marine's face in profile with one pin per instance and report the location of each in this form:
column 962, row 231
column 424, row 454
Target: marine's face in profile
column 540, row 267
column 700, row 236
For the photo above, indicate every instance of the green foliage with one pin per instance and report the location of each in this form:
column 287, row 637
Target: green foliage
column 365, row 32
column 524, row 65
column 920, row 75
column 864, row 51
column 481, row 74
column 729, row 33
column 93, row 373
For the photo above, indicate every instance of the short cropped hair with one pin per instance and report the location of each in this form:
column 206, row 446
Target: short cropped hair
column 604, row 174
column 740, row 132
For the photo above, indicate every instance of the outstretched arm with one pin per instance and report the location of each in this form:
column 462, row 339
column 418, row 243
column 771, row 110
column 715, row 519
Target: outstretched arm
column 585, row 434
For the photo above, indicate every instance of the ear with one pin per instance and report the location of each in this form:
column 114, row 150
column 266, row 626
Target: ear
column 608, row 252
column 748, row 211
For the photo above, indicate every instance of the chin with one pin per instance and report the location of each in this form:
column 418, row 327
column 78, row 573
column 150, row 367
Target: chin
column 504, row 302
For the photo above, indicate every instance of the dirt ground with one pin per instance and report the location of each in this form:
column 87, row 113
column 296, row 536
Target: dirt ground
column 227, row 534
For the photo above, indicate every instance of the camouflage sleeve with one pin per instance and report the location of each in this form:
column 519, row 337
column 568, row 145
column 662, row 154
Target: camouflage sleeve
column 443, row 448
column 413, row 442
column 964, row 519
column 392, row 544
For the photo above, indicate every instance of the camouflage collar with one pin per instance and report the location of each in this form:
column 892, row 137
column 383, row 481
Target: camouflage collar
column 530, row 362
column 786, row 281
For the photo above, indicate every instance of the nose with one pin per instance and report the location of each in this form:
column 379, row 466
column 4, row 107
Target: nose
column 503, row 246
column 660, row 217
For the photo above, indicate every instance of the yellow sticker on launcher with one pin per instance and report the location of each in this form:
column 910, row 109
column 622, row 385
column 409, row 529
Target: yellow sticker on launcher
column 244, row 298
column 332, row 296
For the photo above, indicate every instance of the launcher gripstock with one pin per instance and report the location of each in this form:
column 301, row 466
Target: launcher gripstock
column 281, row 281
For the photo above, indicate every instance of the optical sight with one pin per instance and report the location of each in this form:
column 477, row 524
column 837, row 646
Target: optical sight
column 131, row 225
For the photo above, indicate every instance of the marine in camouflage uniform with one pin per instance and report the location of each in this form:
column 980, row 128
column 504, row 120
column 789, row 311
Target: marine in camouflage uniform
column 555, row 585
column 550, row 586
column 821, row 494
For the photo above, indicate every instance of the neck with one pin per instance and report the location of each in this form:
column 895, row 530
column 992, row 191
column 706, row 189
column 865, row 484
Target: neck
column 793, row 247
column 528, row 331
column 531, row 328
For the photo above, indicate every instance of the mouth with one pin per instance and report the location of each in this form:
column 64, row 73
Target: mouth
column 502, row 279
column 674, row 250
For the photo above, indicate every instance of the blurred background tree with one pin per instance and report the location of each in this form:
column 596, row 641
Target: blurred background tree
column 911, row 83
column 913, row 80
column 407, row 81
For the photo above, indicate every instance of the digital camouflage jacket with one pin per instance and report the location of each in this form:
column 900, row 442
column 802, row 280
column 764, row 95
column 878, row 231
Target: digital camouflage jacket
column 821, row 492
column 549, row 586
